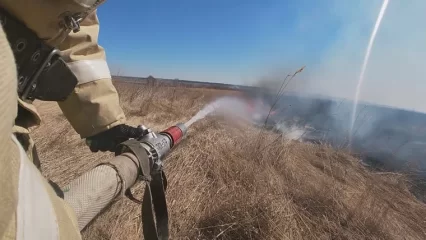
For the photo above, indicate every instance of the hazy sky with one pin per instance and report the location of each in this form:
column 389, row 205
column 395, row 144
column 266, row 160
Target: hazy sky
column 239, row 41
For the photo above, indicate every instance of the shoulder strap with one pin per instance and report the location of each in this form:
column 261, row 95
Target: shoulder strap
column 154, row 199
column 155, row 196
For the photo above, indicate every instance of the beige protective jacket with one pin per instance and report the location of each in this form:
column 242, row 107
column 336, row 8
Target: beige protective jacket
column 94, row 105
column 29, row 208
column 26, row 197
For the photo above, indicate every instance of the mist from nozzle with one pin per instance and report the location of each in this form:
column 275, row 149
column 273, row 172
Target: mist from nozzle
column 232, row 108
column 208, row 109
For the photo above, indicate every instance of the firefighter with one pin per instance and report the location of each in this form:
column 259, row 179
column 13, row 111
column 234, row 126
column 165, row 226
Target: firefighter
column 49, row 51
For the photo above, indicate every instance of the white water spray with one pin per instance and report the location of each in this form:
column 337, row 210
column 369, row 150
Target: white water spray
column 237, row 109
column 202, row 113
column 227, row 106
column 364, row 66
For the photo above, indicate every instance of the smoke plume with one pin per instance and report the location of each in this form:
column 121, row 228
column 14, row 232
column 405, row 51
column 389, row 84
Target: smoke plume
column 395, row 73
column 389, row 130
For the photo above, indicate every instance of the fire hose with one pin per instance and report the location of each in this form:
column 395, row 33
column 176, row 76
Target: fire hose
column 135, row 159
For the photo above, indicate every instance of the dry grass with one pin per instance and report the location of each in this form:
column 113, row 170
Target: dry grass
column 227, row 183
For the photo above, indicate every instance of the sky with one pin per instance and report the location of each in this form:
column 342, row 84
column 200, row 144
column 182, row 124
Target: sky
column 244, row 41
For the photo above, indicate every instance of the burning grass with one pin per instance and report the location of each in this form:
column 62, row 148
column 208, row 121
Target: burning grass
column 231, row 182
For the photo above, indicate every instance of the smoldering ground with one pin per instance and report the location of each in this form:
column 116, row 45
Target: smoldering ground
column 385, row 138
column 390, row 125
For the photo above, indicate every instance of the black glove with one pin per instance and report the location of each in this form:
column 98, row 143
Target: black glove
column 109, row 139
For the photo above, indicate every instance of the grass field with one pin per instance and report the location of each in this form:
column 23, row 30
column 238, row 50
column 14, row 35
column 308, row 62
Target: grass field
column 229, row 181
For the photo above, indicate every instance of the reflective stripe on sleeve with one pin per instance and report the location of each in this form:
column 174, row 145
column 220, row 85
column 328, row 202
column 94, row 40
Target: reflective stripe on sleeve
column 90, row 70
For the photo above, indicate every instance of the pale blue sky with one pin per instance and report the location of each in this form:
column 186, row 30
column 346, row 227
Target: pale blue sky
column 239, row 41
column 212, row 40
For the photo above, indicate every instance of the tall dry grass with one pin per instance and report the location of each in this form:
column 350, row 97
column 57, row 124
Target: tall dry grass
column 226, row 183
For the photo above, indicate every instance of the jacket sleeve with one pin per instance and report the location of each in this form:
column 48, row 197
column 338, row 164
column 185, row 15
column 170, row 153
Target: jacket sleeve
column 93, row 106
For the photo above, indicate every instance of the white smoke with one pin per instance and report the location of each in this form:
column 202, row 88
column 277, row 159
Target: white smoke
column 396, row 70
column 290, row 132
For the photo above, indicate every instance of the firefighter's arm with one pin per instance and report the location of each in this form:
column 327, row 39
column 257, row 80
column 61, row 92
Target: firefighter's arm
column 93, row 106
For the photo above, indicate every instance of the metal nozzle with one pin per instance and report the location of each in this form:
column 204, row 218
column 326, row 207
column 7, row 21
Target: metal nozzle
column 183, row 128
column 176, row 133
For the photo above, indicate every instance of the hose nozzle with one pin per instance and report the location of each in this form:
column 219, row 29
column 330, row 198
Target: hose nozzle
column 176, row 133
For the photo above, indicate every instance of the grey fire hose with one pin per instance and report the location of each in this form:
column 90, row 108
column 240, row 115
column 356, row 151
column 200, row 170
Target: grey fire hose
column 137, row 159
column 95, row 189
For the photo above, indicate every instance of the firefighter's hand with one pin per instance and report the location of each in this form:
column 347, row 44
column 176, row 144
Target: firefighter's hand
column 109, row 139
